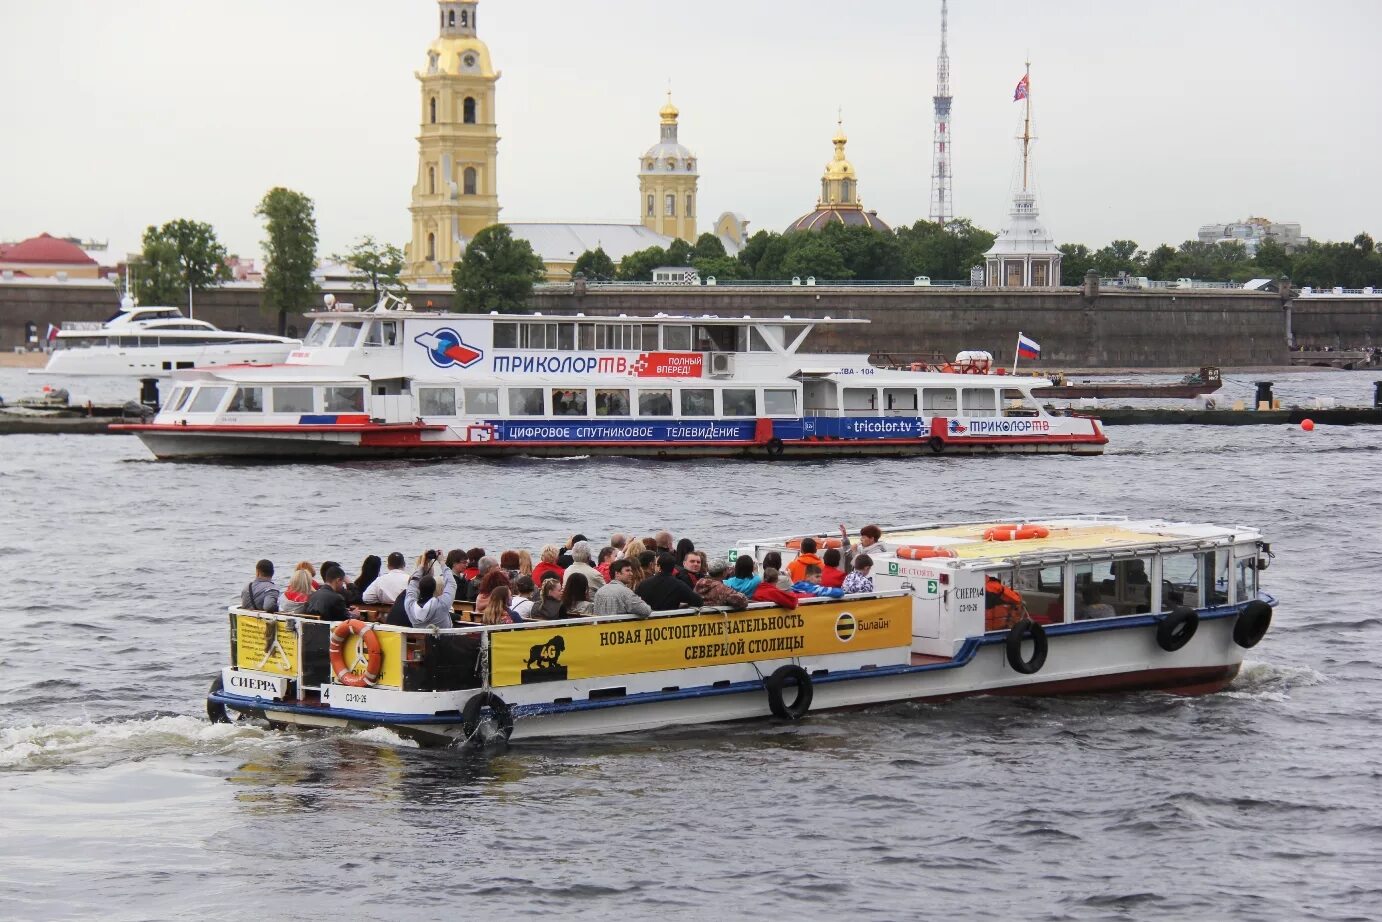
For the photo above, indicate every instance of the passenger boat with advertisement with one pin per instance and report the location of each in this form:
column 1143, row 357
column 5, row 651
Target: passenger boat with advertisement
column 392, row 381
column 1078, row 604
column 155, row 342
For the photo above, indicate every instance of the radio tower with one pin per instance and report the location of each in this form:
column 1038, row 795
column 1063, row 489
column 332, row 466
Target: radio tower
column 942, row 208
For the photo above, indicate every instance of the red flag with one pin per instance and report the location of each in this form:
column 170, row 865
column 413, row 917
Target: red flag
column 1021, row 91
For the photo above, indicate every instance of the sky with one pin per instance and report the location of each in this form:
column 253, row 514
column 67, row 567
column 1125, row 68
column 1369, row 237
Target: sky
column 1151, row 118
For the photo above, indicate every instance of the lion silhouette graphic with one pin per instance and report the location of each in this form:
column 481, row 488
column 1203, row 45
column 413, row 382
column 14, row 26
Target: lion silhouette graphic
column 546, row 656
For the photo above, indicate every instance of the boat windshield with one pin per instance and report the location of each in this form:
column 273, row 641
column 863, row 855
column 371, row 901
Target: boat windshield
column 318, row 335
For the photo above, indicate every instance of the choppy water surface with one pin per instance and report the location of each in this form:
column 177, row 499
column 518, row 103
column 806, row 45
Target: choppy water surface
column 118, row 800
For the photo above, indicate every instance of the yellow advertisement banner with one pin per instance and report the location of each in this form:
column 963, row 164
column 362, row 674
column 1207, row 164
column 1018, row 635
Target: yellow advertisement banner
column 266, row 645
column 582, row 651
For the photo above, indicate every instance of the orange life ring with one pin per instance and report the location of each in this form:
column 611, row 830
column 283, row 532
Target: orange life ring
column 374, row 654
column 947, row 369
column 1016, row 532
column 822, row 543
column 922, row 551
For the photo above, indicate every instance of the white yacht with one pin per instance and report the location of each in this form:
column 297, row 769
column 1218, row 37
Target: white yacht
column 155, row 342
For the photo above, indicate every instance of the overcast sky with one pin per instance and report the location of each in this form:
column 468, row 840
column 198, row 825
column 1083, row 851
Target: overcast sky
column 1153, row 118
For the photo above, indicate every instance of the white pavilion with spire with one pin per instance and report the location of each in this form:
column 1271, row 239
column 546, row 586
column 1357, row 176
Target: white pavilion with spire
column 1025, row 254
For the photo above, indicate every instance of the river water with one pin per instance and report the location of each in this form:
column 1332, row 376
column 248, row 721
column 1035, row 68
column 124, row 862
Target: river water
column 119, row 801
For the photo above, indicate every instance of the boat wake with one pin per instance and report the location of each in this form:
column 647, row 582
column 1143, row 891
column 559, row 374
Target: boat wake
column 1272, row 681
column 50, row 746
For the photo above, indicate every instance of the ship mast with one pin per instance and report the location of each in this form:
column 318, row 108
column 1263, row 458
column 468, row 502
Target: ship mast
column 1027, row 125
column 942, row 208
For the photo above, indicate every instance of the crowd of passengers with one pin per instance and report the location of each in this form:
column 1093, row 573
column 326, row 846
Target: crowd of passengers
column 628, row 576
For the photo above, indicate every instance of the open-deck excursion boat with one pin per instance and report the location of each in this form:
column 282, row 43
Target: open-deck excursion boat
column 155, row 342
column 1083, row 604
column 395, row 382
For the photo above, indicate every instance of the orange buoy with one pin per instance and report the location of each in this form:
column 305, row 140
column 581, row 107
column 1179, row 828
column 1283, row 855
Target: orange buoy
column 1016, row 532
column 822, row 543
column 1308, row 425
column 369, row 641
column 1000, row 533
column 923, row 551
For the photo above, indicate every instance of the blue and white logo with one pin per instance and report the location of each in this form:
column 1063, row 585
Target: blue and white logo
column 446, row 349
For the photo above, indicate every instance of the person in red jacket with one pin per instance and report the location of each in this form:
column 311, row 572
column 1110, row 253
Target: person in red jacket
column 831, row 574
column 767, row 591
column 548, row 568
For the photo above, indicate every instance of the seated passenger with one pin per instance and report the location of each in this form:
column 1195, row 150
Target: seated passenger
column 580, row 563
column 564, row 558
column 547, row 605
column 261, row 594
column 713, row 591
column 497, row 576
column 616, row 597
column 328, row 602
column 869, row 536
column 1003, row 605
column 807, row 558
column 294, row 598
column 425, row 605
column 548, row 566
column 369, row 572
column 509, row 561
column 523, row 591
column 575, row 595
column 768, row 591
column 773, row 561
column 497, row 609
column 811, row 585
column 744, row 581
column 831, row 574
column 311, row 572
column 663, row 591
column 1092, row 604
column 860, row 579
column 389, row 586
column 473, row 570
column 691, row 568
column 607, row 555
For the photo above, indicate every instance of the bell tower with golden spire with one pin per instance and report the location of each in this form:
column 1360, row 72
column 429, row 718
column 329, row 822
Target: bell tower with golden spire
column 456, row 194
column 667, row 181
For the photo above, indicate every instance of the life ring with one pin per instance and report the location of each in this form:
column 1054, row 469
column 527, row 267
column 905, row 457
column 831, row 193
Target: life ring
column 1176, row 628
column 774, row 447
column 936, row 444
column 471, row 716
column 1252, row 624
column 822, row 543
column 1016, row 532
column 215, row 710
column 923, row 551
column 374, row 655
column 1016, row 635
column 780, row 679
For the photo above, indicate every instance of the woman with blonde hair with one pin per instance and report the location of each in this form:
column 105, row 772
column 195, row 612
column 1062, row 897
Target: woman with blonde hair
column 294, row 598
column 548, row 567
column 525, row 564
column 632, row 551
column 547, row 605
column 497, row 610
column 311, row 572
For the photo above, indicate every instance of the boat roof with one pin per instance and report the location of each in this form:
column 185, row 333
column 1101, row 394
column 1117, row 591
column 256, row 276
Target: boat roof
column 269, row 374
column 1067, row 536
column 380, row 312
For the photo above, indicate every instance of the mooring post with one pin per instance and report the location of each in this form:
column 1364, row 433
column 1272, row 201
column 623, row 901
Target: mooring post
column 1264, row 394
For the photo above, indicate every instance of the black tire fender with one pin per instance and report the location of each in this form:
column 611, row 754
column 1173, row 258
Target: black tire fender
column 1252, row 624
column 215, row 710
column 774, row 447
column 936, row 443
column 1019, row 633
column 1176, row 628
column 472, row 715
column 778, row 681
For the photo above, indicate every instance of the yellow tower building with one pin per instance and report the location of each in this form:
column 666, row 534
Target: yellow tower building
column 456, row 194
column 667, row 180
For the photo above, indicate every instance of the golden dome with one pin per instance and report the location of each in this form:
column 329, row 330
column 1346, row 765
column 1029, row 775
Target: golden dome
column 455, row 54
column 668, row 112
column 839, row 168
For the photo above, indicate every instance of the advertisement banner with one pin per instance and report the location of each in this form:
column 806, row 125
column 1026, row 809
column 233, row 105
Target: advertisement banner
column 640, row 430
column 266, row 645
column 586, row 651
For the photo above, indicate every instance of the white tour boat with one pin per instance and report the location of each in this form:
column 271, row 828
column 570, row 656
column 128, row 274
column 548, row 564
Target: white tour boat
column 155, row 342
column 1078, row 604
column 398, row 382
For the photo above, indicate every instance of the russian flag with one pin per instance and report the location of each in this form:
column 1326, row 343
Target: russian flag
column 52, row 333
column 1028, row 348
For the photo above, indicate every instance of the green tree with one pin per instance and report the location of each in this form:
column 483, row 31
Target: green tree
column 708, row 246
column 639, row 266
column 754, row 248
column 1076, row 260
column 156, row 275
column 678, row 253
column 723, row 268
column 197, row 258
column 1271, row 260
column 770, row 266
column 943, row 252
column 381, row 264
column 497, row 272
column 1118, row 256
column 290, row 251
column 595, row 265
column 867, row 253
column 814, row 256
column 1157, row 265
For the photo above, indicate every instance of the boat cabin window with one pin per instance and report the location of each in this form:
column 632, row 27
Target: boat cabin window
column 569, row 402
column 566, row 336
column 179, row 398
column 482, row 401
column 525, row 401
column 436, row 401
column 939, row 401
column 719, row 339
column 247, row 400
column 900, row 401
column 1180, row 581
column 740, row 401
column 677, row 338
column 585, row 336
column 506, row 336
column 293, row 400
column 382, row 333
column 979, row 401
column 345, row 400
column 861, row 398
column 1245, row 588
column 208, row 399
column 319, row 335
column 1017, row 403
column 1106, row 588
column 346, row 335
column 538, row 336
column 1043, row 592
column 612, row 402
column 655, row 402
column 626, row 336
column 779, row 402
column 697, row 401
column 764, row 339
